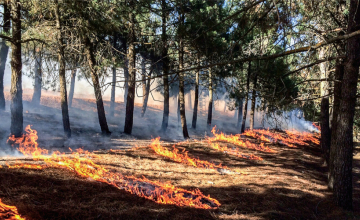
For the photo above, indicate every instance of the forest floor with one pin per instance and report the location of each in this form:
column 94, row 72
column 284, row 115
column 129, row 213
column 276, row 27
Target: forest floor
column 287, row 184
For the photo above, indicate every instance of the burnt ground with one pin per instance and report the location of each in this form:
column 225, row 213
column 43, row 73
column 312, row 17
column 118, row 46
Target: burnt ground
column 288, row 184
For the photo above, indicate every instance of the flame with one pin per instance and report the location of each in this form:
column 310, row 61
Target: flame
column 182, row 157
column 292, row 138
column 316, row 126
column 234, row 152
column 9, row 212
column 234, row 139
column 81, row 163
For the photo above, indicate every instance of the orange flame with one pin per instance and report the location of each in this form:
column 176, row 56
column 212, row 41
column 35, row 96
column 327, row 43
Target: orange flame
column 293, row 137
column 182, row 157
column 234, row 152
column 234, row 139
column 9, row 212
column 81, row 163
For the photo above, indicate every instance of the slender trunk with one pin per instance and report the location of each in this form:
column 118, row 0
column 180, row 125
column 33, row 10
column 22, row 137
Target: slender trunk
column 126, row 75
column 339, row 74
column 16, row 75
column 63, row 93
column 210, row 106
column 97, row 89
column 190, row 100
column 147, row 92
column 240, row 115
column 132, row 73
column 143, row 82
column 38, row 78
column 165, row 66
column 181, row 82
column 325, row 125
column 72, row 86
column 253, row 102
column 113, row 86
column 325, row 129
column 4, row 53
column 246, row 98
column 178, row 109
column 196, row 100
column 343, row 146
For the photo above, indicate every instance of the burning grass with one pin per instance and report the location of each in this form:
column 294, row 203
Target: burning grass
column 82, row 164
column 183, row 157
column 9, row 212
column 235, row 139
column 290, row 183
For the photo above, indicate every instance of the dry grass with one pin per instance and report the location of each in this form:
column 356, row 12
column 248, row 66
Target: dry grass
column 289, row 184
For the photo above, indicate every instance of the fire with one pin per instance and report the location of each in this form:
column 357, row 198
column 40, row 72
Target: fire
column 234, row 139
column 291, row 138
column 9, row 212
column 81, row 163
column 182, row 157
column 316, row 126
column 234, row 152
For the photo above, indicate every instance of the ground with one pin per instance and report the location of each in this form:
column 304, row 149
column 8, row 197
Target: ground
column 288, row 184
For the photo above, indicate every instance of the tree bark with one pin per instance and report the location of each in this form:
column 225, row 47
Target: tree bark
column 4, row 53
column 246, row 98
column 325, row 140
column 196, row 99
column 38, row 78
column 253, row 103
column 72, row 86
column 147, row 91
column 143, row 78
column 16, row 106
column 339, row 74
column 126, row 74
column 165, row 66
column 129, row 117
column 240, row 114
column 190, row 100
column 113, row 87
column 62, row 77
column 181, row 80
column 343, row 146
column 210, row 105
column 97, row 90
column 178, row 109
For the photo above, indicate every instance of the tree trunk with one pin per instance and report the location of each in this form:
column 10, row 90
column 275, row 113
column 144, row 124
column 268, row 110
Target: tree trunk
column 325, row 125
column 126, row 75
column 97, row 90
column 253, row 102
column 178, row 109
column 62, row 77
column 165, row 66
column 143, row 82
column 4, row 53
column 38, row 78
column 246, row 98
column 132, row 73
column 196, row 99
column 343, row 146
column 113, row 87
column 147, row 91
column 181, row 81
column 16, row 75
column 72, row 86
column 240, row 115
column 210, row 106
column 189, row 100
column 339, row 74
